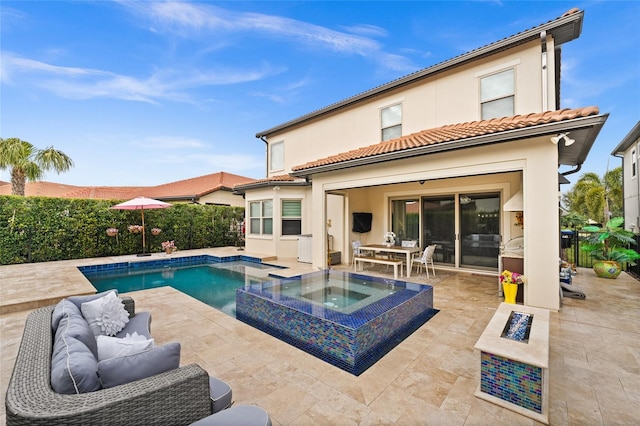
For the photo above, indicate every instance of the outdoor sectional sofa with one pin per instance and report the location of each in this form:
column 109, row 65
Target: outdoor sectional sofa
column 179, row 396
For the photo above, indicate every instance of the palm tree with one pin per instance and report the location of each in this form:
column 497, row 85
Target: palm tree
column 596, row 198
column 27, row 162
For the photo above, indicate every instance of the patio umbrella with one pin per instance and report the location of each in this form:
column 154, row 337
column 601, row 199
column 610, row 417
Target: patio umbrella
column 142, row 203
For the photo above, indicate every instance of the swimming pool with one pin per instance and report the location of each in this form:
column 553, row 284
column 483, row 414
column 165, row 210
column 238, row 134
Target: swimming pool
column 348, row 320
column 368, row 318
column 210, row 280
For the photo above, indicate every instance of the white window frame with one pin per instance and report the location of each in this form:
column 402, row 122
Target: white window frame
column 259, row 221
column 390, row 126
column 290, row 218
column 500, row 97
column 276, row 156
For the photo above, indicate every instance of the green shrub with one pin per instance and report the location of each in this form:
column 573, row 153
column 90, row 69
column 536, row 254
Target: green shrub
column 41, row 229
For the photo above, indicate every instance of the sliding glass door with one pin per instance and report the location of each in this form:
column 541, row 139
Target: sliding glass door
column 464, row 227
column 439, row 227
column 405, row 219
column 479, row 230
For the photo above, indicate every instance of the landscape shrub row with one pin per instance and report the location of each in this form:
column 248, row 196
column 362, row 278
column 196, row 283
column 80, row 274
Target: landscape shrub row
column 42, row 229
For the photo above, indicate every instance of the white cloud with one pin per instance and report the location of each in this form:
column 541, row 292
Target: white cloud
column 188, row 19
column 86, row 83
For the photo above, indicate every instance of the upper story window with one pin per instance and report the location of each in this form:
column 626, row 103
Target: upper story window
column 391, row 122
column 276, row 156
column 261, row 217
column 497, row 95
column 291, row 217
column 634, row 163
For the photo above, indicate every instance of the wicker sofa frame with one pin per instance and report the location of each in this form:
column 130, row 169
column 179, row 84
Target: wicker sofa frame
column 177, row 397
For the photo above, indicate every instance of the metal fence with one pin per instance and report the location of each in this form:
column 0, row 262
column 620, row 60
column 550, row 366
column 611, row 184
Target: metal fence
column 570, row 251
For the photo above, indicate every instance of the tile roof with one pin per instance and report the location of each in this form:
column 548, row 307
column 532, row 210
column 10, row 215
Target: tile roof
column 187, row 188
column 452, row 133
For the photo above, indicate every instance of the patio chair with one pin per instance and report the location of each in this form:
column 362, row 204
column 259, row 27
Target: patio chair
column 425, row 259
column 405, row 243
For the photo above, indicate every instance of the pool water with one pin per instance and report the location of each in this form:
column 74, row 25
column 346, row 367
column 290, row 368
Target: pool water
column 214, row 284
column 333, row 292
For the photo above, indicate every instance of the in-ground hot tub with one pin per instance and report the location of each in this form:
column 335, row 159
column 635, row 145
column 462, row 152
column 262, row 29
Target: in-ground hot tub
column 348, row 320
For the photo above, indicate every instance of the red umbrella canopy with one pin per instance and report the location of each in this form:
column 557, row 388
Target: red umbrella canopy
column 141, row 203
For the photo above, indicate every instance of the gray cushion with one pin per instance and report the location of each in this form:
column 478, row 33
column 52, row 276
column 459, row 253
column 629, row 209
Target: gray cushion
column 240, row 415
column 117, row 371
column 141, row 324
column 73, row 364
column 220, row 393
column 62, row 309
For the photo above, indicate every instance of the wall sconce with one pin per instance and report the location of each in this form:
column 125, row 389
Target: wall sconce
column 567, row 140
column 421, row 182
column 519, row 219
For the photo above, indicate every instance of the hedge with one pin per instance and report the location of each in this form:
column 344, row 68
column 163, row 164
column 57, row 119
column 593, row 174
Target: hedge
column 42, row 229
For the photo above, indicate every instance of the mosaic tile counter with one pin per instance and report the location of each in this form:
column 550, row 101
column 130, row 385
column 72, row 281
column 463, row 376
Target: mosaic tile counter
column 514, row 374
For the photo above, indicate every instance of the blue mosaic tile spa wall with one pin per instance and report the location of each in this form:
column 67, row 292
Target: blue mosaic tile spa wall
column 349, row 346
column 512, row 381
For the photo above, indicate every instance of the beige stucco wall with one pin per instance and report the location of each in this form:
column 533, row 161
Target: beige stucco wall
column 631, row 190
column 535, row 159
column 446, row 98
column 282, row 246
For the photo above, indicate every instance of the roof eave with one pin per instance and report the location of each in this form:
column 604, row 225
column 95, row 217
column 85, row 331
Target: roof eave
column 506, row 136
column 239, row 190
column 563, row 29
column 627, row 141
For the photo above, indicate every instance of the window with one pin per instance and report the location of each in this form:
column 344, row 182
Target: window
column 261, row 217
column 391, row 122
column 634, row 163
column 276, row 156
column 497, row 95
column 291, row 217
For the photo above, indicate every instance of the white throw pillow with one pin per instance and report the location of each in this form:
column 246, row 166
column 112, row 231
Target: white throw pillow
column 111, row 347
column 106, row 316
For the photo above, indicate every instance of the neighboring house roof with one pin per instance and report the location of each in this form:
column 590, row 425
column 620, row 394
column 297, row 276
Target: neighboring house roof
column 193, row 188
column 583, row 123
column 627, row 141
column 563, row 29
column 198, row 186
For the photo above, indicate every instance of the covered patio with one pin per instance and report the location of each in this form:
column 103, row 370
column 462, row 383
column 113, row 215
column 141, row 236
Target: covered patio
column 430, row 378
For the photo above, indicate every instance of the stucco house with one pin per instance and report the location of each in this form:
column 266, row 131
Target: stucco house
column 627, row 149
column 434, row 156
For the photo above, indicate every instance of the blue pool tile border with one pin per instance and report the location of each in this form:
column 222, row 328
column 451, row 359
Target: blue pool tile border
column 204, row 259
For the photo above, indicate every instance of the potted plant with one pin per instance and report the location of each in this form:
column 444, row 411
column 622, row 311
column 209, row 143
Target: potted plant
column 169, row 247
column 112, row 232
column 510, row 282
column 608, row 247
column 389, row 239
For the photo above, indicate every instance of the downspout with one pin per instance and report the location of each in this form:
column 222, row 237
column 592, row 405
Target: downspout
column 266, row 165
column 545, row 83
column 570, row 172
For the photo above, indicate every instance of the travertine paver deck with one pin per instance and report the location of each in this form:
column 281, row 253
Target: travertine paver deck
column 430, row 378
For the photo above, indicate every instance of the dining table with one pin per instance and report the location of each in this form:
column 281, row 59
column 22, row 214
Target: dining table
column 383, row 248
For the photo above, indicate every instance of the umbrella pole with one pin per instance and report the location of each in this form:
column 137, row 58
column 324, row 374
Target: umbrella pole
column 143, row 239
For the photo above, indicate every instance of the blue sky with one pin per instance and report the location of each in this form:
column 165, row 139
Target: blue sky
column 145, row 93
